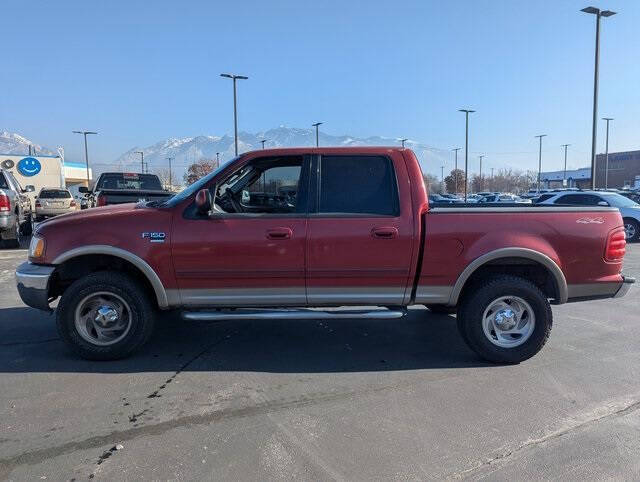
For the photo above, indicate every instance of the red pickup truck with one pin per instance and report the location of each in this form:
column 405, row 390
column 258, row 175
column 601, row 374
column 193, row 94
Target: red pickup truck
column 289, row 233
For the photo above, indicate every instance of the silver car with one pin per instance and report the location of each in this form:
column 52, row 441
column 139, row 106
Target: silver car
column 15, row 210
column 53, row 201
column 629, row 209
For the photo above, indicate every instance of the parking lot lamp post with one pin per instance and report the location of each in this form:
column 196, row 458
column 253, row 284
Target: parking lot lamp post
column 316, row 125
column 141, row 160
column 564, row 174
column 86, row 152
column 466, row 149
column 263, row 141
column 235, row 77
column 540, row 159
column 455, row 170
column 481, row 180
column 606, row 155
column 402, row 141
column 598, row 13
column 170, row 180
column 491, row 181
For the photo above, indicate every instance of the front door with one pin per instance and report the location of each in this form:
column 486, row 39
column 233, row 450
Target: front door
column 360, row 231
column 251, row 251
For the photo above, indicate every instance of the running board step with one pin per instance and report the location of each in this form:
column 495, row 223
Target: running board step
column 292, row 314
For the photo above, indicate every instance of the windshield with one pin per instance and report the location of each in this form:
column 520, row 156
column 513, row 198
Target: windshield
column 619, row 201
column 127, row 180
column 196, row 186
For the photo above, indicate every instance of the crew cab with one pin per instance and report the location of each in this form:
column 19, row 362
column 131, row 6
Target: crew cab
column 125, row 187
column 289, row 233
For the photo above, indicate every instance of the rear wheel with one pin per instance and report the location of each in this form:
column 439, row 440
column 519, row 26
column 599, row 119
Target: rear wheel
column 105, row 316
column 506, row 320
column 631, row 230
column 27, row 225
column 16, row 236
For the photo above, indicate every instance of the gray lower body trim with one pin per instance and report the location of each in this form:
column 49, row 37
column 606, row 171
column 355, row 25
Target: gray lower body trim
column 349, row 295
column 593, row 290
column 427, row 294
column 293, row 296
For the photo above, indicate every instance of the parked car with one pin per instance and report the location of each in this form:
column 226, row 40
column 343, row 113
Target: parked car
column 125, row 187
column 359, row 232
column 16, row 217
column 52, row 201
column 504, row 198
column 629, row 209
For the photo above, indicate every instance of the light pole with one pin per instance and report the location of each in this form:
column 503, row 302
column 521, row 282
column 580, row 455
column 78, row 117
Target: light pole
column 217, row 159
column 141, row 160
column 606, row 155
column 455, row 169
column 481, row 181
column 263, row 141
column 540, row 158
column 86, row 152
column 170, row 180
column 316, row 125
column 491, row 181
column 564, row 175
column 235, row 77
column 442, row 178
column 598, row 13
column 466, row 149
column 403, row 140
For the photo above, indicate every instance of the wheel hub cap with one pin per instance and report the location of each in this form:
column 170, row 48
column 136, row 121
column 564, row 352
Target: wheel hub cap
column 505, row 319
column 106, row 315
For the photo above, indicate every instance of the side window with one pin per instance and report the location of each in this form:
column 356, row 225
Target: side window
column 265, row 186
column 574, row 199
column 3, row 182
column 358, row 185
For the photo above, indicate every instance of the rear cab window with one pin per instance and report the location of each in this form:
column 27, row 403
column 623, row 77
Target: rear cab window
column 357, row 185
column 126, row 180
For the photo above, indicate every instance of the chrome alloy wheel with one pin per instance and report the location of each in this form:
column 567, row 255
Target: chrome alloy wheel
column 103, row 318
column 630, row 230
column 508, row 321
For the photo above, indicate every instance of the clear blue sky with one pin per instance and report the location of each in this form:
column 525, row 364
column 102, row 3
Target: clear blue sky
column 139, row 72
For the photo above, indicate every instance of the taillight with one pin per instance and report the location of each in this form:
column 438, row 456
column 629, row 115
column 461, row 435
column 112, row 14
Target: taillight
column 72, row 204
column 38, row 205
column 102, row 200
column 616, row 245
column 5, row 205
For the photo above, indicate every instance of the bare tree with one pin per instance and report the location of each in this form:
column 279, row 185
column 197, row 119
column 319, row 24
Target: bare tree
column 167, row 178
column 199, row 169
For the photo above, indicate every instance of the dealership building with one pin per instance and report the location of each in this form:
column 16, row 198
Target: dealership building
column 46, row 171
column 624, row 170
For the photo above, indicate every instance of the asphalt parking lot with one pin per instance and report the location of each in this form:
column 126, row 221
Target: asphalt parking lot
column 399, row 399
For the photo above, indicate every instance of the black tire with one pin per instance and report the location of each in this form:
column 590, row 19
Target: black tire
column 442, row 309
column 636, row 229
column 474, row 304
column 27, row 226
column 39, row 218
column 142, row 317
column 14, row 243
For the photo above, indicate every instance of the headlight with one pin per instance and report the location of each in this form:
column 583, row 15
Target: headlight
column 36, row 248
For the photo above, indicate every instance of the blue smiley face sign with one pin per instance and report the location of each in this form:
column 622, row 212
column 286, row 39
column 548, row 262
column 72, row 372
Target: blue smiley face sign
column 29, row 166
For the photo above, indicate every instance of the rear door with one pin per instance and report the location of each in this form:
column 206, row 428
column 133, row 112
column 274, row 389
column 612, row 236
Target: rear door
column 360, row 230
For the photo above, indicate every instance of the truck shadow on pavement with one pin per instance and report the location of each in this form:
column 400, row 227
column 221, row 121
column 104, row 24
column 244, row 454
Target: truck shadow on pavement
column 29, row 343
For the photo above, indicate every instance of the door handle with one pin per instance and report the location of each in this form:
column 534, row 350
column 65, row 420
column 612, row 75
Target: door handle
column 386, row 232
column 279, row 233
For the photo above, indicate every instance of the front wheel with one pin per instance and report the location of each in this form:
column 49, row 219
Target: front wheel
column 507, row 320
column 104, row 316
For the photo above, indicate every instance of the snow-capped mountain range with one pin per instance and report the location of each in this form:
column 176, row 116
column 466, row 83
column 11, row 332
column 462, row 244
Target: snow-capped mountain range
column 11, row 143
column 187, row 150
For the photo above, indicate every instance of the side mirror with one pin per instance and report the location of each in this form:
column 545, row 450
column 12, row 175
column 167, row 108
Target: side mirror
column 29, row 188
column 603, row 203
column 83, row 189
column 203, row 201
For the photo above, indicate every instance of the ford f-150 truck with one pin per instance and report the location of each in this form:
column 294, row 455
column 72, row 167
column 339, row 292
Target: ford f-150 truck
column 288, row 233
column 125, row 187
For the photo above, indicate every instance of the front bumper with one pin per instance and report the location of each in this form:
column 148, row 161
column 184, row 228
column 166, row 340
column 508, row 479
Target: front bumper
column 7, row 221
column 33, row 284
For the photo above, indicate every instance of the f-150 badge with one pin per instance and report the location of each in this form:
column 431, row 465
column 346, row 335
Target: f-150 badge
column 154, row 237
